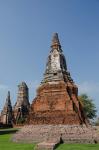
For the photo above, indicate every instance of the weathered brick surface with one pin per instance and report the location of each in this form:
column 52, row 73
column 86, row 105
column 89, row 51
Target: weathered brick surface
column 49, row 145
column 21, row 107
column 68, row 133
column 54, row 105
column 6, row 117
column 57, row 96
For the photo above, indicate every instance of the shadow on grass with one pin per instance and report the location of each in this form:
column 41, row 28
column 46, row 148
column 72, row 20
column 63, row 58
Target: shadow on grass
column 8, row 131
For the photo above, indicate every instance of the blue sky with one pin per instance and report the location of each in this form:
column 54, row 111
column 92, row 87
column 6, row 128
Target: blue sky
column 26, row 28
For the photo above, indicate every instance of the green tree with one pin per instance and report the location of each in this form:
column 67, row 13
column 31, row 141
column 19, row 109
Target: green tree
column 88, row 106
column 97, row 122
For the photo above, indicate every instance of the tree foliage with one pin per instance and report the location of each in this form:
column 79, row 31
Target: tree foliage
column 88, row 106
column 97, row 122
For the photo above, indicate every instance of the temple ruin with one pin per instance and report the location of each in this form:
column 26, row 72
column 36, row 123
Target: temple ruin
column 56, row 114
column 57, row 97
column 6, row 114
column 21, row 107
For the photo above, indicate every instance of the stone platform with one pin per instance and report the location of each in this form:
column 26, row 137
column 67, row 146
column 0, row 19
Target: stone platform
column 65, row 133
column 49, row 145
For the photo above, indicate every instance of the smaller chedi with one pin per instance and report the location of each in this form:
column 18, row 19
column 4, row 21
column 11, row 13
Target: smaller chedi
column 6, row 114
column 21, row 107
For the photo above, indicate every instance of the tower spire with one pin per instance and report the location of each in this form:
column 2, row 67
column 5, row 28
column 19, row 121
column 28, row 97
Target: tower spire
column 8, row 93
column 55, row 42
column 8, row 100
column 56, row 68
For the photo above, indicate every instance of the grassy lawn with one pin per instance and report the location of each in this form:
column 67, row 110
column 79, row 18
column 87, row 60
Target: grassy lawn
column 78, row 147
column 6, row 144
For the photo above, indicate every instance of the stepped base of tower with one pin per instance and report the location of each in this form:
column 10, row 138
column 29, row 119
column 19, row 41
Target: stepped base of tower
column 66, row 133
column 56, row 103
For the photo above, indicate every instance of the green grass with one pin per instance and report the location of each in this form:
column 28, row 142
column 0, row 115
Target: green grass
column 8, row 129
column 78, row 147
column 7, row 144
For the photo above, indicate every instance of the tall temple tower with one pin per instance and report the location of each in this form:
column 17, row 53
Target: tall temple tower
column 21, row 108
column 6, row 114
column 56, row 114
column 57, row 97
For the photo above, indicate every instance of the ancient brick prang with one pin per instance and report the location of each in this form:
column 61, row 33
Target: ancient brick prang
column 57, row 97
column 6, row 114
column 21, row 108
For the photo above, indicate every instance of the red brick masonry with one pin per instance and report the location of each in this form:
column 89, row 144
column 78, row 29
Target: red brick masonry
column 57, row 103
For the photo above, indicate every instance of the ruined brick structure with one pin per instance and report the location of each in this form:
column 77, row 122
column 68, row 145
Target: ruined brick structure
column 57, row 97
column 21, row 108
column 56, row 114
column 6, row 114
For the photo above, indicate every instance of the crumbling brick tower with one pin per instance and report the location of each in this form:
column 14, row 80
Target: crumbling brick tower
column 6, row 114
column 57, row 97
column 21, row 107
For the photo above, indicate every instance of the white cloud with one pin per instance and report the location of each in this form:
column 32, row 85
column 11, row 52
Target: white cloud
column 92, row 90
column 3, row 87
column 33, row 85
column 88, row 87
